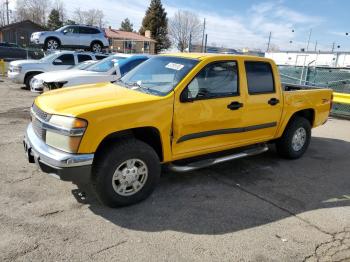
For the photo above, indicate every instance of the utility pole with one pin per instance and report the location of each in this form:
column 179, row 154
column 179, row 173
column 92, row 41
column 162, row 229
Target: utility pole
column 316, row 46
column 308, row 41
column 203, row 36
column 205, row 43
column 189, row 44
column 333, row 45
column 268, row 43
column 7, row 11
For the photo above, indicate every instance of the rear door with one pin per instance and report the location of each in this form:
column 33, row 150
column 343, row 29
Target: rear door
column 263, row 106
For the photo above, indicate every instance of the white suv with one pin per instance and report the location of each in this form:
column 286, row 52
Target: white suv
column 72, row 36
column 22, row 71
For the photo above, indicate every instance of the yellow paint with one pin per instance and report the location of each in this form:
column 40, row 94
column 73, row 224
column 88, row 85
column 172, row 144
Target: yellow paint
column 341, row 98
column 109, row 108
column 2, row 66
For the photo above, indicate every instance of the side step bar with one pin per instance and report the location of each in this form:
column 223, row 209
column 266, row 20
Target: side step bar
column 214, row 161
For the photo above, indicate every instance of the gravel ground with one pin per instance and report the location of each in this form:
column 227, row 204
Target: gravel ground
column 261, row 208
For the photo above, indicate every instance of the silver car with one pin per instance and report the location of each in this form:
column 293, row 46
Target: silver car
column 72, row 36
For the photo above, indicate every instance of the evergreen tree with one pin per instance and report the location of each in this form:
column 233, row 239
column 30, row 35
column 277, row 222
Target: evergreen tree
column 54, row 21
column 156, row 21
column 126, row 25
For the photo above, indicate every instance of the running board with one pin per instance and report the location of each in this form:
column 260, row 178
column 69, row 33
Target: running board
column 214, row 161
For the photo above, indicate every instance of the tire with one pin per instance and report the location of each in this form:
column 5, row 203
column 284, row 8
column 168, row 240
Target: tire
column 117, row 183
column 27, row 80
column 96, row 47
column 295, row 139
column 51, row 44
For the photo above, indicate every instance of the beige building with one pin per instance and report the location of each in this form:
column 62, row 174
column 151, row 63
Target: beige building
column 130, row 42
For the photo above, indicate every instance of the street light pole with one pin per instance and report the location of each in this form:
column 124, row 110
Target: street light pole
column 7, row 12
column 268, row 43
column 308, row 41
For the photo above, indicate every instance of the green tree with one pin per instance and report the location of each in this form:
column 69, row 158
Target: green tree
column 54, row 20
column 156, row 21
column 126, row 25
column 70, row 22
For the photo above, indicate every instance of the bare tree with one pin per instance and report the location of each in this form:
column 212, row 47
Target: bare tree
column 35, row 10
column 182, row 26
column 3, row 17
column 59, row 6
column 89, row 17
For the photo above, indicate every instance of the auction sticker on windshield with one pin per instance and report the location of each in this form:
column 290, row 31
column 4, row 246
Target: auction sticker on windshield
column 175, row 66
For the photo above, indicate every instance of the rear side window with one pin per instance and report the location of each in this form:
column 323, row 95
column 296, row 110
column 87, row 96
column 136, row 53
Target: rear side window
column 67, row 59
column 82, row 58
column 100, row 57
column 260, row 77
column 88, row 30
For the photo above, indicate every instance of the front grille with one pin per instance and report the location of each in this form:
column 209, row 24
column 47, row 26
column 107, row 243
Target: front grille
column 40, row 113
column 38, row 130
column 37, row 125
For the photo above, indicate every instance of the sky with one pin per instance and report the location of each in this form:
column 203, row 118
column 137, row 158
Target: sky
column 246, row 23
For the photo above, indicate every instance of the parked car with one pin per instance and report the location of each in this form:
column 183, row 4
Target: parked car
column 106, row 70
column 175, row 110
column 36, row 85
column 11, row 51
column 22, row 71
column 72, row 36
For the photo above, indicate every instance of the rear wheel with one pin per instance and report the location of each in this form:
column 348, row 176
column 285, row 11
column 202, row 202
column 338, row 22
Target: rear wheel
column 296, row 138
column 96, row 47
column 51, row 44
column 126, row 173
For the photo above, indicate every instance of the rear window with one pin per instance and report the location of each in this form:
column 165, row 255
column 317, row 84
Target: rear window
column 259, row 77
column 89, row 30
column 82, row 58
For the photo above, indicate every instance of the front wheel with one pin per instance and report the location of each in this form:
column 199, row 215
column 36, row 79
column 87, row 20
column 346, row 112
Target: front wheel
column 295, row 139
column 126, row 173
column 51, row 44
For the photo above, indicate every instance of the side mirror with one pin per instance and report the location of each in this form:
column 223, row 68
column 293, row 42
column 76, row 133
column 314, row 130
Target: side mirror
column 118, row 74
column 58, row 62
column 64, row 32
column 184, row 97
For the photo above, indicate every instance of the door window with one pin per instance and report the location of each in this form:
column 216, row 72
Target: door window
column 219, row 79
column 82, row 58
column 260, row 77
column 71, row 30
column 88, row 30
column 67, row 59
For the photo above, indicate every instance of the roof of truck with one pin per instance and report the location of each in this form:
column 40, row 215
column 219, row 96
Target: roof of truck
column 202, row 56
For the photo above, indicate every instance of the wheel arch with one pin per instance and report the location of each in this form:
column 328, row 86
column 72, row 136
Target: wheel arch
column 149, row 135
column 31, row 73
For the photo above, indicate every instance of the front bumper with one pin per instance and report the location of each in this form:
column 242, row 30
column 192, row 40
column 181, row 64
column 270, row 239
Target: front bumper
column 15, row 77
column 59, row 164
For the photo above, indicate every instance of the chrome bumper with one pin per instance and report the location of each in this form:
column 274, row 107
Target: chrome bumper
column 51, row 160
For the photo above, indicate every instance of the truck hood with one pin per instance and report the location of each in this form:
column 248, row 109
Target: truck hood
column 24, row 62
column 80, row 100
column 65, row 75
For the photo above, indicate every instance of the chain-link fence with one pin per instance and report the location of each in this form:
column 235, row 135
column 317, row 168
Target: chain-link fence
column 337, row 79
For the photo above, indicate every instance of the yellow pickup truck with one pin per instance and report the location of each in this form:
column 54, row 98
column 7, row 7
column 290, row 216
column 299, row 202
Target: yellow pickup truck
column 187, row 111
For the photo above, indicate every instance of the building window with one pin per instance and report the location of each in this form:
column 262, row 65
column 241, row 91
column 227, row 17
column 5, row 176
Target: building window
column 146, row 47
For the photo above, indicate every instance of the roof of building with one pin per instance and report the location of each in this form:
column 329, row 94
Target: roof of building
column 118, row 34
column 20, row 24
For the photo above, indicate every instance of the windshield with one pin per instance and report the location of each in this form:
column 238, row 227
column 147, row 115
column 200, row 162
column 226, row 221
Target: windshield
column 105, row 64
column 61, row 28
column 158, row 75
column 48, row 57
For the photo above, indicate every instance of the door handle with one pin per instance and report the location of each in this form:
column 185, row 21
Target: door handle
column 234, row 105
column 273, row 101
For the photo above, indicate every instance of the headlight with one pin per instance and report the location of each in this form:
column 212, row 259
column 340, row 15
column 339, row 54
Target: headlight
column 16, row 69
column 65, row 133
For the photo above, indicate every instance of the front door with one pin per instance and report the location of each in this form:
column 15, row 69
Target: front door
column 71, row 36
column 210, row 112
